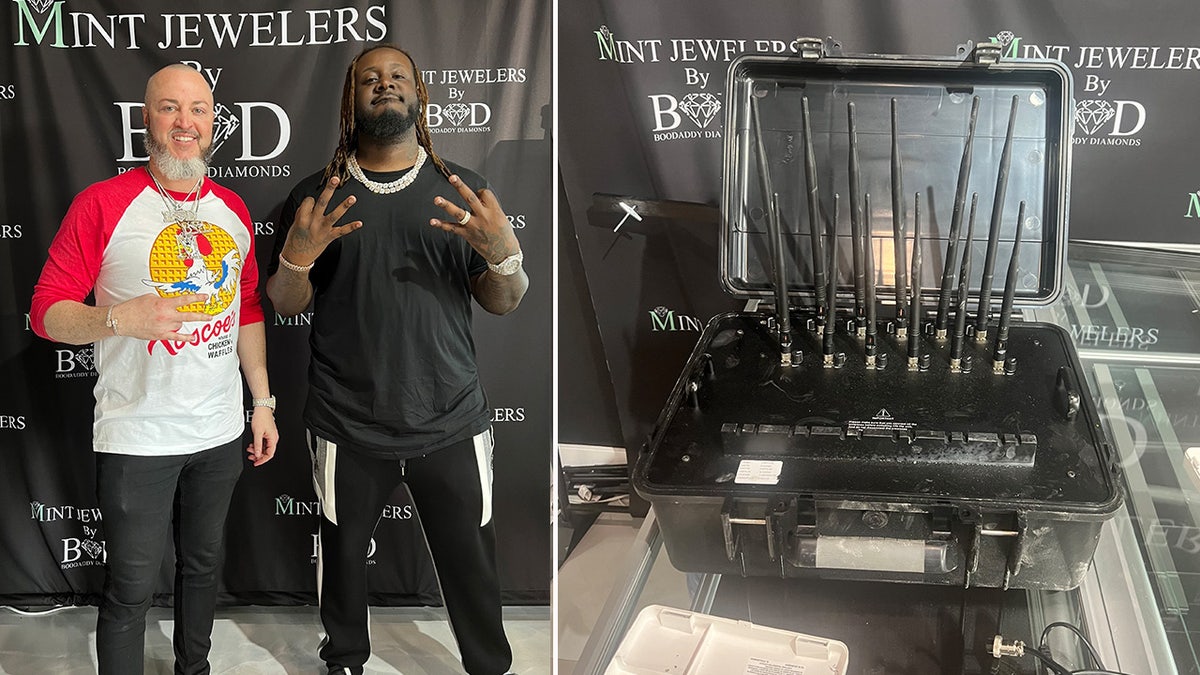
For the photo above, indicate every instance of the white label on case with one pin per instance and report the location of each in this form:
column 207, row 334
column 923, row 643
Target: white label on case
column 759, row 666
column 759, row 471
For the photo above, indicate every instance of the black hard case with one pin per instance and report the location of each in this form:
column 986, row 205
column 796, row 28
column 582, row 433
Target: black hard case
column 758, row 467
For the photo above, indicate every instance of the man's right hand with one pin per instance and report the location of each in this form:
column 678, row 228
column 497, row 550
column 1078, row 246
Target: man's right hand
column 314, row 228
column 153, row 317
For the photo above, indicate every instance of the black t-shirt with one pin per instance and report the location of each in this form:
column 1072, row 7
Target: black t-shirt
column 393, row 359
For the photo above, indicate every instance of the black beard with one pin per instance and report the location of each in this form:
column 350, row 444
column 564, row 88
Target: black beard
column 389, row 124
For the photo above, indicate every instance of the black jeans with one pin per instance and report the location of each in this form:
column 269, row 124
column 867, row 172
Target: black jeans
column 141, row 497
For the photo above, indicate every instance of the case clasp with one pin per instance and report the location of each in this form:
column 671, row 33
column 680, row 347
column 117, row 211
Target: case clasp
column 810, row 48
column 986, row 53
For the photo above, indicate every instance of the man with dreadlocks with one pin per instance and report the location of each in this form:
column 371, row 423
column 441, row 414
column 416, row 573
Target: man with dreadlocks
column 394, row 395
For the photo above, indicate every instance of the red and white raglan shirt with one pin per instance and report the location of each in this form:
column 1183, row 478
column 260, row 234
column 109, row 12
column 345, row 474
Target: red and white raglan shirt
column 162, row 397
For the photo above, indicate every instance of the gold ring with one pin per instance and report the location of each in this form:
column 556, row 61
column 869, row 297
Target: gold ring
column 465, row 219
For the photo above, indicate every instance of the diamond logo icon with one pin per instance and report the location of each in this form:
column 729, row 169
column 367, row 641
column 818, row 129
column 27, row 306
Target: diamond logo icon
column 86, row 358
column 700, row 107
column 224, row 124
column 661, row 311
column 92, row 548
column 1005, row 37
column 40, row 5
column 456, row 113
column 1092, row 114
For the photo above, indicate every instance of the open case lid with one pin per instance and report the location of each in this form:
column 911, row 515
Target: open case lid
column 933, row 100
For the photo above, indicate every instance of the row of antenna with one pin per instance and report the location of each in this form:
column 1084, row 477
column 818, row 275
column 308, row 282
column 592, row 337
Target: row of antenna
column 908, row 307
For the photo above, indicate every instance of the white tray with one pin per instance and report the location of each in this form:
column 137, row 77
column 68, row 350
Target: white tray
column 679, row 642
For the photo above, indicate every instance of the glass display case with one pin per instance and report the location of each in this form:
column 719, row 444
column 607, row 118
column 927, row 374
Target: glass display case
column 1134, row 316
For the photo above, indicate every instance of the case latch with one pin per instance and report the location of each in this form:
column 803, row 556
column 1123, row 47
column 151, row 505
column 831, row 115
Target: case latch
column 986, row 53
column 810, row 48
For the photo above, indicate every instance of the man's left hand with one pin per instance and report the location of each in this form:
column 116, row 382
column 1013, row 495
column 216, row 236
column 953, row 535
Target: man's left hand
column 266, row 436
column 483, row 224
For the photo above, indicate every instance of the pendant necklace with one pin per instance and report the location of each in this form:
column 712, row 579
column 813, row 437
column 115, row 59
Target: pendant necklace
column 386, row 188
column 176, row 211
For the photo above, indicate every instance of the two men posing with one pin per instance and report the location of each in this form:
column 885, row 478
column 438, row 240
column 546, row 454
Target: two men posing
column 394, row 394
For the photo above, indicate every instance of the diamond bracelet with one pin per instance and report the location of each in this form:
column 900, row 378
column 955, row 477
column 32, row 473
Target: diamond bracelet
column 293, row 266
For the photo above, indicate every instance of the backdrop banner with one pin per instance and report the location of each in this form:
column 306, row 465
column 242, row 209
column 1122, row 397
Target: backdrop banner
column 644, row 84
column 72, row 79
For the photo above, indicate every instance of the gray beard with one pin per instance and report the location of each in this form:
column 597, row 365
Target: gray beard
column 388, row 125
column 171, row 167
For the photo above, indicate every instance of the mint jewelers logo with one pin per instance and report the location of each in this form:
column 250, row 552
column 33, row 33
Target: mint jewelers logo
column 50, row 514
column 282, row 28
column 508, row 415
column 85, row 551
column 608, row 44
column 663, row 319
column 1009, row 43
column 286, row 505
column 301, row 319
column 1193, row 209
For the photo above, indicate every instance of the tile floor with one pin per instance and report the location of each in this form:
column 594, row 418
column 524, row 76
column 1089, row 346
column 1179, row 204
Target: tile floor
column 407, row 640
column 269, row 641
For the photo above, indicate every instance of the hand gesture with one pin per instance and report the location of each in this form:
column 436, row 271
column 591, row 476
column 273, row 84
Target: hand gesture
column 314, row 228
column 266, row 436
column 152, row 317
column 483, row 223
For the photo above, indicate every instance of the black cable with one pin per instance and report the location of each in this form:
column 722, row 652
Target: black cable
column 1054, row 666
column 1082, row 638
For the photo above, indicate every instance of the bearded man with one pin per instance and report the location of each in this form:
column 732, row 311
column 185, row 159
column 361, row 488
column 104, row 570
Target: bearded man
column 169, row 256
column 394, row 394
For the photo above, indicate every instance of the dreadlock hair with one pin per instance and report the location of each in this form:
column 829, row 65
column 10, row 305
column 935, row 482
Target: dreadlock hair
column 348, row 134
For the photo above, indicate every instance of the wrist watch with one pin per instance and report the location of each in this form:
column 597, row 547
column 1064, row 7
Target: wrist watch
column 268, row 402
column 509, row 265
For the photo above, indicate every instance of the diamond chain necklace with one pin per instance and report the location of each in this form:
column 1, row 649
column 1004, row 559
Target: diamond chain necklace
column 176, row 212
column 386, row 188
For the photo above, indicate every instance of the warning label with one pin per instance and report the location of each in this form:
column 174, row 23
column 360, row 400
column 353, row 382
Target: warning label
column 877, row 424
column 760, row 666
